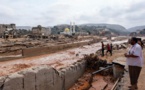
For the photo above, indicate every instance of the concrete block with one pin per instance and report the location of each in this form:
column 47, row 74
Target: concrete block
column 2, row 80
column 118, row 70
column 69, row 78
column 14, row 82
column 29, row 79
column 81, row 67
column 73, row 73
column 58, row 83
column 44, row 78
column 118, row 66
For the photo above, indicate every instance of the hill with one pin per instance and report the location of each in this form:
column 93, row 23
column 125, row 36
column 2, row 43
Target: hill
column 134, row 29
column 92, row 28
column 118, row 29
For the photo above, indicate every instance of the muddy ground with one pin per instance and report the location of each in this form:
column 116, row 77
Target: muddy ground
column 100, row 81
column 63, row 59
column 56, row 60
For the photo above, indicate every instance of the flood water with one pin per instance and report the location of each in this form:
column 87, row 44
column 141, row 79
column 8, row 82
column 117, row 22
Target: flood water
column 56, row 60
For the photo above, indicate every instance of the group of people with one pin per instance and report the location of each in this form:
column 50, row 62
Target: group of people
column 108, row 47
column 134, row 58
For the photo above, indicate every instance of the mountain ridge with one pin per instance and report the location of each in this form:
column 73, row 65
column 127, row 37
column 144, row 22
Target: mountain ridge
column 134, row 29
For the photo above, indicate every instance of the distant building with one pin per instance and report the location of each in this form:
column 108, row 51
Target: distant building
column 133, row 34
column 82, row 33
column 69, row 31
column 40, row 31
column 66, row 32
column 7, row 30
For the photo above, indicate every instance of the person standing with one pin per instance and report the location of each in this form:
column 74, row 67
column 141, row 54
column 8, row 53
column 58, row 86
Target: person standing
column 134, row 62
column 103, row 48
column 140, row 43
column 111, row 48
column 108, row 49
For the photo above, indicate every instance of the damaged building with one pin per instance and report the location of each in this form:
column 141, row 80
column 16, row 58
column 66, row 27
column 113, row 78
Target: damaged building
column 40, row 32
column 7, row 30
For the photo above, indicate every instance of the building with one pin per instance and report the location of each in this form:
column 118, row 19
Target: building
column 41, row 32
column 66, row 32
column 82, row 33
column 69, row 31
column 5, row 30
column 133, row 34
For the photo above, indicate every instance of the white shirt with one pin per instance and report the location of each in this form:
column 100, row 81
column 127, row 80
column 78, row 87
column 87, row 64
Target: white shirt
column 137, row 51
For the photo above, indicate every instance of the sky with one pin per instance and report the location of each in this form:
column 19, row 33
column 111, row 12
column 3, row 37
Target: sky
column 128, row 13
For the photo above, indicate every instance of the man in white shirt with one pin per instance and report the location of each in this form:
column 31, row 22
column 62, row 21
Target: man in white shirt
column 135, row 62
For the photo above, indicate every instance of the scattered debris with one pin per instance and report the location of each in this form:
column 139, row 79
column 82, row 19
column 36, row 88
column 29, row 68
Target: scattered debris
column 93, row 62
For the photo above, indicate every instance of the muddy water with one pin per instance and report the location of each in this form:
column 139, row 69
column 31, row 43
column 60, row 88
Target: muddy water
column 56, row 60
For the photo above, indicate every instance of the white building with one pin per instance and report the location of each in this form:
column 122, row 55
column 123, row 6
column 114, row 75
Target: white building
column 69, row 31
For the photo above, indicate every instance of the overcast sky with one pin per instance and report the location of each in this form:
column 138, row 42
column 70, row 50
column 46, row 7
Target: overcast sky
column 128, row 13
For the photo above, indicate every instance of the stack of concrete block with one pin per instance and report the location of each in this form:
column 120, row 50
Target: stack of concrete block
column 73, row 73
column 43, row 78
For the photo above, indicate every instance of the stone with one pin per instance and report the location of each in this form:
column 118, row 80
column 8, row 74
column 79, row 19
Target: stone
column 14, row 82
column 44, row 78
column 29, row 79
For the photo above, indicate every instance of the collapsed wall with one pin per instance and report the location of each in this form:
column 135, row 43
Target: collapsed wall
column 44, row 78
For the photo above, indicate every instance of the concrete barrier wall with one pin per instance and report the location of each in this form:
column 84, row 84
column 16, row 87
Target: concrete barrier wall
column 43, row 78
column 73, row 73
column 45, row 50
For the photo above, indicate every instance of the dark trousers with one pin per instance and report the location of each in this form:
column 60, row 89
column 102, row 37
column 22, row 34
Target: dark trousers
column 102, row 52
column 110, row 51
column 134, row 72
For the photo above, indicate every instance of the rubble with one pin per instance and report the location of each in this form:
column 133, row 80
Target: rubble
column 103, row 80
column 98, row 86
column 93, row 62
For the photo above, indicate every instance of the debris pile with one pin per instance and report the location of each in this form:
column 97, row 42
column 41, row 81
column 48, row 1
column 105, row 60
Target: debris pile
column 93, row 62
column 97, row 82
column 102, row 80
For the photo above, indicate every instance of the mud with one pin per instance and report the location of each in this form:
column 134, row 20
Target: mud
column 101, row 81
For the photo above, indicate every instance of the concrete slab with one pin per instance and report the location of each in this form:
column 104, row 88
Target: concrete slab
column 73, row 73
column 120, row 60
column 14, row 82
column 98, row 85
column 29, row 79
column 44, row 78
